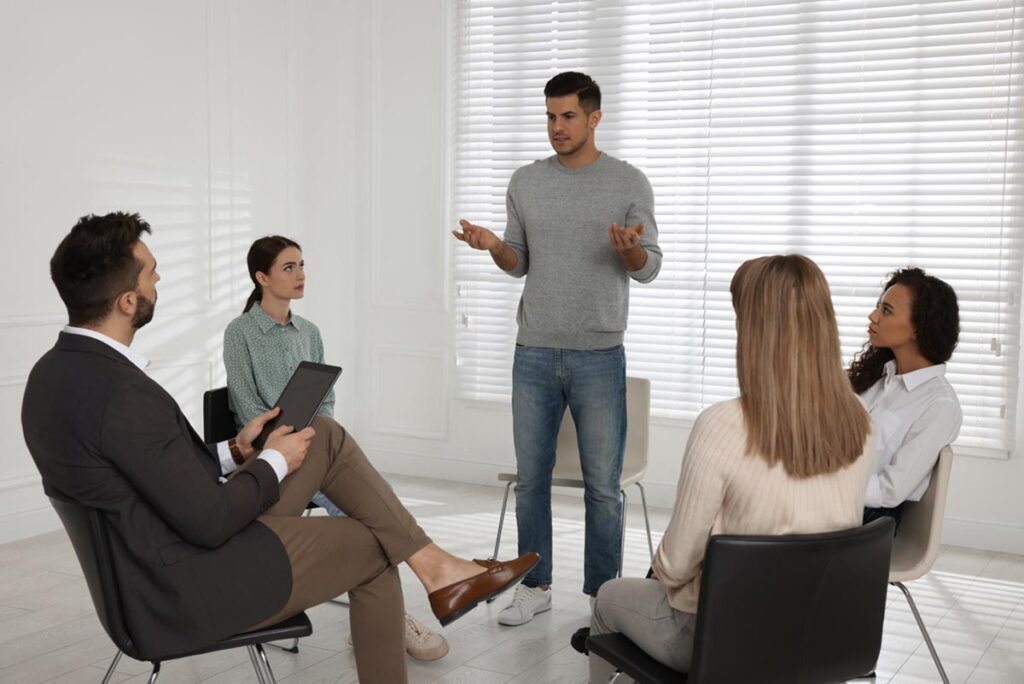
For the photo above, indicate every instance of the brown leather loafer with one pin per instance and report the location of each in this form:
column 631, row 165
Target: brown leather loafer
column 452, row 602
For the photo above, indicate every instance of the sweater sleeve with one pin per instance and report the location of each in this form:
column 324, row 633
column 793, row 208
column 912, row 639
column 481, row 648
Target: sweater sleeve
column 699, row 498
column 642, row 210
column 515, row 233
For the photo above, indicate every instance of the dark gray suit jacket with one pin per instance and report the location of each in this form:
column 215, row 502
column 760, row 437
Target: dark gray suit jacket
column 193, row 564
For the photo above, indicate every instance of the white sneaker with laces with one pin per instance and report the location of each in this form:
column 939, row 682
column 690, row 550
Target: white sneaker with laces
column 421, row 642
column 526, row 602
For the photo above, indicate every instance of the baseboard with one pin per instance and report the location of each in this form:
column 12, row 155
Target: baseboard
column 973, row 534
column 659, row 494
column 989, row 536
column 28, row 523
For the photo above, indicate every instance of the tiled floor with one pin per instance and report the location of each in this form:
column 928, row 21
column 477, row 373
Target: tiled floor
column 973, row 603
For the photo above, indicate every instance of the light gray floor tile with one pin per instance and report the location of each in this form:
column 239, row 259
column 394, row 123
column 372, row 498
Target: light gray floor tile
column 973, row 603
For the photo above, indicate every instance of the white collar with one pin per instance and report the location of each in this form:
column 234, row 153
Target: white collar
column 914, row 379
column 135, row 357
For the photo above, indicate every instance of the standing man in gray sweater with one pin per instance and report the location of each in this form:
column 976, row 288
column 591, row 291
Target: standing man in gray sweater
column 580, row 226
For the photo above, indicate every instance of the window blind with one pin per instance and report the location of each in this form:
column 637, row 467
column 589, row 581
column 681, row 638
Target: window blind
column 867, row 135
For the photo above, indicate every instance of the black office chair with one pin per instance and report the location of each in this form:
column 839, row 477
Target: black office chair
column 87, row 529
column 218, row 420
column 793, row 609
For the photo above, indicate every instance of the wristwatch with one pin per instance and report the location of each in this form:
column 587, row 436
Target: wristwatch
column 236, row 452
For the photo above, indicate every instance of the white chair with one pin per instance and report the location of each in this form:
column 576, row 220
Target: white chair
column 568, row 473
column 917, row 541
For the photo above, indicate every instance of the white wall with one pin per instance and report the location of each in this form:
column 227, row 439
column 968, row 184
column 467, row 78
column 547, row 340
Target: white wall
column 321, row 120
column 218, row 122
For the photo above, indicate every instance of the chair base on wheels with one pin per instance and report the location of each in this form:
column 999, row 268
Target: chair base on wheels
column 294, row 627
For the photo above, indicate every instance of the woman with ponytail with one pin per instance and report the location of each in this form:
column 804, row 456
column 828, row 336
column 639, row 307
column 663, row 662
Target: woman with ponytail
column 900, row 376
column 264, row 346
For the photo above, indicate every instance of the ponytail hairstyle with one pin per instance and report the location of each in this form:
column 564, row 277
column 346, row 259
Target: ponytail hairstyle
column 261, row 257
column 935, row 315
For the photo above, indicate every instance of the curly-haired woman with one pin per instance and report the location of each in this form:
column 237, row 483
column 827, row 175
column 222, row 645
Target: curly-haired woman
column 900, row 376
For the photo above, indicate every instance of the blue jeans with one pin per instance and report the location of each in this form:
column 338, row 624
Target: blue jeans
column 321, row 500
column 593, row 385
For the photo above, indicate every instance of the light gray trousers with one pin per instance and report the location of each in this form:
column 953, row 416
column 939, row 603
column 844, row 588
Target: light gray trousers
column 639, row 609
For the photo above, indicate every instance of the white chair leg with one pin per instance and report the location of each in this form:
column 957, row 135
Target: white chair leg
column 647, row 520
column 924, row 632
column 501, row 524
column 501, row 521
column 113, row 664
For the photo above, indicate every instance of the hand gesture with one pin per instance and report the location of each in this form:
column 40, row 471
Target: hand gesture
column 624, row 239
column 292, row 445
column 252, row 430
column 477, row 237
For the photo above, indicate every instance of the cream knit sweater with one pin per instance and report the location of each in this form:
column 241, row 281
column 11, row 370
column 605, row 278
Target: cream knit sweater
column 723, row 490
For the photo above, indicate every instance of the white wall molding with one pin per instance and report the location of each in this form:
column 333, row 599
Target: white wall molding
column 394, row 405
column 30, row 522
column 982, row 534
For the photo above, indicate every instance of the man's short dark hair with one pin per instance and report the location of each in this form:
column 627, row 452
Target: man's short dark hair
column 575, row 83
column 94, row 264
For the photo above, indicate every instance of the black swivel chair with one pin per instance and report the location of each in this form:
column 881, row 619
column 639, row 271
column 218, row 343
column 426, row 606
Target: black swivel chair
column 793, row 609
column 87, row 529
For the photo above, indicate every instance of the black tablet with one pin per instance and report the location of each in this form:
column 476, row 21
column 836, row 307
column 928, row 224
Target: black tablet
column 301, row 398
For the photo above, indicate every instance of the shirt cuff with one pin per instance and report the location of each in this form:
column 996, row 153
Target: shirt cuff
column 276, row 461
column 227, row 464
column 873, row 497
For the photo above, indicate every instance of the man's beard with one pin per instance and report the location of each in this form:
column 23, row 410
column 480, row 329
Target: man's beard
column 144, row 311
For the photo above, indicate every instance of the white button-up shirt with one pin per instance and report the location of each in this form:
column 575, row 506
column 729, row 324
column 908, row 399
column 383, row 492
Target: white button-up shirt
column 913, row 416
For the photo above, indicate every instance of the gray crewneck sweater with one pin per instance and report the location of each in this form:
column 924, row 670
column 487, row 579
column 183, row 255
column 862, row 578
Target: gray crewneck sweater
column 577, row 291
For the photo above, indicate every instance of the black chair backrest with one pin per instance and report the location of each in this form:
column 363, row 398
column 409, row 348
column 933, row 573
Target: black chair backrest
column 218, row 420
column 795, row 609
column 90, row 538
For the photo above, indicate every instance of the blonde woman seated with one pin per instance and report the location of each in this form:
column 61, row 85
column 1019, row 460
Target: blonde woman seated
column 791, row 455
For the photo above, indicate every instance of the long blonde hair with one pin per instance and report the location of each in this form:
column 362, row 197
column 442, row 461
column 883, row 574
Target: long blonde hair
column 797, row 404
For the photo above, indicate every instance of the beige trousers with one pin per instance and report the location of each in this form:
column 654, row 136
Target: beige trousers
column 357, row 554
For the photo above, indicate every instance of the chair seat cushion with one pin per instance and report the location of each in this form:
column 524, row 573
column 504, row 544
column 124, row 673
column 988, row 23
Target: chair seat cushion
column 627, row 657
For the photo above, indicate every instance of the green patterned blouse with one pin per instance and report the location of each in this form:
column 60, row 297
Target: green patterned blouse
column 260, row 356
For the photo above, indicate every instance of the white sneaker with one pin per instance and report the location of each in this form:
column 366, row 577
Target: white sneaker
column 422, row 643
column 527, row 602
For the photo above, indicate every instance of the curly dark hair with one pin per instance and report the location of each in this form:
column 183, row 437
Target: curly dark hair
column 935, row 315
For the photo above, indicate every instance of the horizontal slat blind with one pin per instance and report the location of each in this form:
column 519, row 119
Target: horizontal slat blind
column 868, row 135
